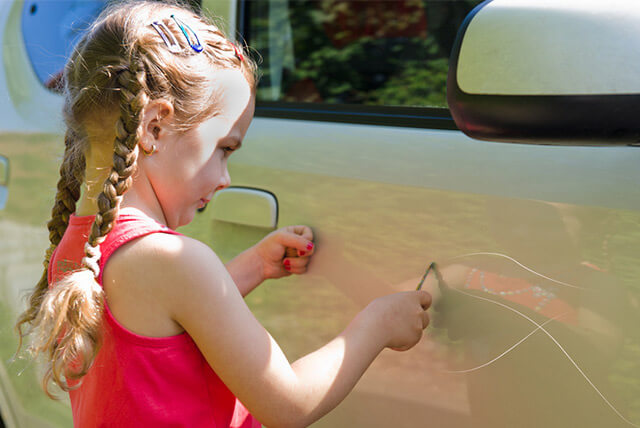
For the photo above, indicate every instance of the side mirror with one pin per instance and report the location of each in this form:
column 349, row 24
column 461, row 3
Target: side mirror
column 548, row 72
column 4, row 181
column 246, row 206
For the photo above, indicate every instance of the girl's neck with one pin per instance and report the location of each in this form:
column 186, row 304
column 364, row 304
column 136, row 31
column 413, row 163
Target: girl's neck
column 139, row 196
column 91, row 188
column 87, row 205
column 99, row 158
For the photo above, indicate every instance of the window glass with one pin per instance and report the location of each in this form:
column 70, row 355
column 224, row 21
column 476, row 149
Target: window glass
column 50, row 29
column 391, row 52
column 4, row 171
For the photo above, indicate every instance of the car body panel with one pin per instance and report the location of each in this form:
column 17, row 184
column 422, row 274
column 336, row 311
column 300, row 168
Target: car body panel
column 385, row 202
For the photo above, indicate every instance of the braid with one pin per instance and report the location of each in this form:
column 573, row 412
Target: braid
column 69, row 316
column 67, row 195
column 133, row 98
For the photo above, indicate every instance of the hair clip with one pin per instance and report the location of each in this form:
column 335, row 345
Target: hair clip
column 237, row 51
column 164, row 32
column 196, row 46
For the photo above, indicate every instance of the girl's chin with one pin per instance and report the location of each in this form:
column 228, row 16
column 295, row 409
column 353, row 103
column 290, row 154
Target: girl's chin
column 183, row 219
column 187, row 216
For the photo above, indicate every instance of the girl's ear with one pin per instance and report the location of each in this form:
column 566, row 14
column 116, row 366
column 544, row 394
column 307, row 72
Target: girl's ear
column 156, row 119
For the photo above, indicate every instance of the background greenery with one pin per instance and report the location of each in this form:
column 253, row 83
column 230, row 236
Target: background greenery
column 392, row 53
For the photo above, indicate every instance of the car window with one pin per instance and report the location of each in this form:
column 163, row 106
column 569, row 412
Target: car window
column 379, row 53
column 50, row 29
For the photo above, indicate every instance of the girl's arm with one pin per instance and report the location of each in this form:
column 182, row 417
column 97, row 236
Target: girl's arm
column 246, row 271
column 208, row 305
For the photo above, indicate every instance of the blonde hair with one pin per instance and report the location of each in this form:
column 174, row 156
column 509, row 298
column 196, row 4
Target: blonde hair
column 120, row 64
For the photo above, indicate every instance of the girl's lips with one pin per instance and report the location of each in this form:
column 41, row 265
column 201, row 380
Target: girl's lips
column 203, row 202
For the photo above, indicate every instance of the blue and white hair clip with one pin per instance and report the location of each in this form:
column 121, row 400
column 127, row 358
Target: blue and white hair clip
column 169, row 39
column 193, row 42
column 167, row 36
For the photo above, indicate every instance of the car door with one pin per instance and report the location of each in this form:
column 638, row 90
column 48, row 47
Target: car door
column 534, row 319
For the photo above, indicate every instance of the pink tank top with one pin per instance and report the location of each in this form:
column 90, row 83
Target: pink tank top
column 139, row 381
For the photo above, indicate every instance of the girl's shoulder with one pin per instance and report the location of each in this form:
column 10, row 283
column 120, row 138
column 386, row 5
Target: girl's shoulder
column 145, row 279
column 161, row 251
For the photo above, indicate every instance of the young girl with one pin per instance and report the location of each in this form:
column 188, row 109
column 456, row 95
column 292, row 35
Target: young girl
column 142, row 325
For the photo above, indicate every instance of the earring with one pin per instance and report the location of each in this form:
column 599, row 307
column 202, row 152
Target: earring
column 149, row 152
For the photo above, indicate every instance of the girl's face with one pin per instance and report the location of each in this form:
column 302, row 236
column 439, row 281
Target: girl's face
column 187, row 169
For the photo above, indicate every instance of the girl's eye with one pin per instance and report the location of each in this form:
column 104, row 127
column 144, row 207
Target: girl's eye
column 228, row 150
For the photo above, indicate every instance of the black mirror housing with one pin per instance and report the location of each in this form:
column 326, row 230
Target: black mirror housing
column 548, row 72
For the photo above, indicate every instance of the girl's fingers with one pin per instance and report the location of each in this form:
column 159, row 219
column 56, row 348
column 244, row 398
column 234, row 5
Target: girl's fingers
column 308, row 250
column 425, row 299
column 296, row 245
column 304, row 231
column 425, row 319
column 296, row 265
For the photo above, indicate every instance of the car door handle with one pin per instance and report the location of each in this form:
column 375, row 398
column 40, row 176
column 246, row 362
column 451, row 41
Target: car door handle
column 4, row 181
column 246, row 206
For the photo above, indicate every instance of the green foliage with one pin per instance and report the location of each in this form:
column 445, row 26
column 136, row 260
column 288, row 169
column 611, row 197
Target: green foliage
column 412, row 73
column 386, row 53
column 416, row 85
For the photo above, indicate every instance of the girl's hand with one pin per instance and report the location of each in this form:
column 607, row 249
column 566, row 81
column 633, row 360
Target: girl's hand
column 400, row 318
column 285, row 251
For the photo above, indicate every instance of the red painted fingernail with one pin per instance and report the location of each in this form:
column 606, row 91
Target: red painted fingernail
column 287, row 264
column 309, row 246
column 302, row 253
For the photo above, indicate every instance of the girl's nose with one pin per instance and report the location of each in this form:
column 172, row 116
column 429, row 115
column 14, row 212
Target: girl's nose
column 225, row 180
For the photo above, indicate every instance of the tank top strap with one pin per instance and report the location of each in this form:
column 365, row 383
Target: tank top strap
column 131, row 224
column 50, row 266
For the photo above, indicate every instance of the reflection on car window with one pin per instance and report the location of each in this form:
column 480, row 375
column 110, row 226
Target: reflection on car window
column 392, row 52
column 50, row 29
